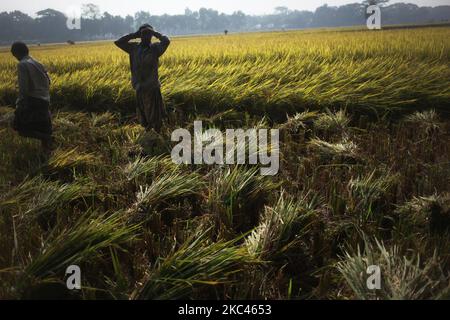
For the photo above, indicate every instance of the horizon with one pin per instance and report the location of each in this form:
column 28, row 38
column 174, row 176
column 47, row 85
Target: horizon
column 177, row 6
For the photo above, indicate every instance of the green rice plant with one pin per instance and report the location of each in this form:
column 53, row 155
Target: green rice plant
column 402, row 277
column 392, row 70
column 198, row 264
column 367, row 190
column 53, row 195
column 21, row 193
column 69, row 160
column 171, row 186
column 119, row 283
column 37, row 197
column 237, row 194
column 81, row 243
column 149, row 167
column 280, row 227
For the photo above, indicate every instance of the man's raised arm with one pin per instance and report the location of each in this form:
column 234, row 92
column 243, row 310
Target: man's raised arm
column 164, row 42
column 124, row 42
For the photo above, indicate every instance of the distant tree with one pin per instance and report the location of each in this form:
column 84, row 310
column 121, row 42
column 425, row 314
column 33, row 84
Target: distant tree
column 51, row 24
column 141, row 17
column 351, row 14
column 90, row 11
column 281, row 10
column 325, row 16
column 16, row 25
column 237, row 21
column 375, row 2
column 128, row 24
column 209, row 20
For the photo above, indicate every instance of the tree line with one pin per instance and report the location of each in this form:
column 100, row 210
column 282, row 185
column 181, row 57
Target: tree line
column 50, row 25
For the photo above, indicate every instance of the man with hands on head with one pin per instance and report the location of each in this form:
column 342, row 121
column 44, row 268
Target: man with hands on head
column 144, row 63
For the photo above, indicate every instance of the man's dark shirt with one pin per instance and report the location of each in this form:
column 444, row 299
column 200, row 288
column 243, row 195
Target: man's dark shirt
column 144, row 62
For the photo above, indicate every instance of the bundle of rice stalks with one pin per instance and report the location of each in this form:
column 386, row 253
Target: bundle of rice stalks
column 346, row 150
column 332, row 122
column 237, row 195
column 367, row 191
column 280, row 227
column 66, row 161
column 81, row 243
column 427, row 121
column 35, row 196
column 51, row 196
column 128, row 133
column 142, row 168
column 431, row 212
column 303, row 121
column 171, row 186
column 21, row 193
column 402, row 277
column 103, row 119
column 197, row 265
column 71, row 123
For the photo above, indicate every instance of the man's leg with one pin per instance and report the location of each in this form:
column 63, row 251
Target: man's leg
column 154, row 109
column 140, row 110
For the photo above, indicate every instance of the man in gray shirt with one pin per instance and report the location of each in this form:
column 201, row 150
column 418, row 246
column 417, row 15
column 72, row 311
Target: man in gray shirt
column 32, row 117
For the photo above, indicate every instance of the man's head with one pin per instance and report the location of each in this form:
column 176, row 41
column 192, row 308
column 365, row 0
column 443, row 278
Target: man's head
column 146, row 32
column 19, row 50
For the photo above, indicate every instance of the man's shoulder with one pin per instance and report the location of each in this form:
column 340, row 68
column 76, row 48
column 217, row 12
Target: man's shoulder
column 156, row 47
column 22, row 64
column 133, row 46
column 28, row 61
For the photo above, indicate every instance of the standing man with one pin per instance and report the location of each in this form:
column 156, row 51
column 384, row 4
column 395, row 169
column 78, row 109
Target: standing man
column 144, row 62
column 32, row 117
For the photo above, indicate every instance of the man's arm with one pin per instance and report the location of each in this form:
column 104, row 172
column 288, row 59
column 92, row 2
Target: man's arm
column 124, row 42
column 24, row 82
column 163, row 44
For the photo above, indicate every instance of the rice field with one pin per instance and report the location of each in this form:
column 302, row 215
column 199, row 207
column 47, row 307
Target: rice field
column 406, row 68
column 364, row 172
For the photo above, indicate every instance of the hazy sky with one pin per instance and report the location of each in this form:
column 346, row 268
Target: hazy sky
column 123, row 7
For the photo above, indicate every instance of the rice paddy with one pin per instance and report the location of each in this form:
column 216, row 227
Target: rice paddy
column 364, row 172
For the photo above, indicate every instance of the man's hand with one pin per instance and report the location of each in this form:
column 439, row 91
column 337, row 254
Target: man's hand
column 123, row 43
column 157, row 35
